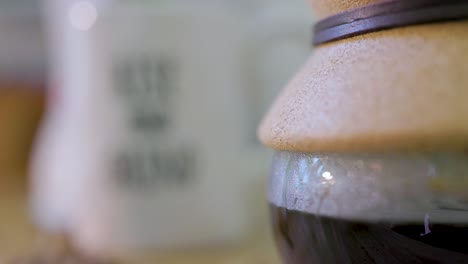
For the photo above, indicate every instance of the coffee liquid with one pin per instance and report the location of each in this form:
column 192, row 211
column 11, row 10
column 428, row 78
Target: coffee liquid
column 305, row 238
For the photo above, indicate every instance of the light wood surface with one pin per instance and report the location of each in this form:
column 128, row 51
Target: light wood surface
column 20, row 240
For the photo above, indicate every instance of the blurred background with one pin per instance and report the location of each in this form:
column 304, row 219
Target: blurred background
column 129, row 127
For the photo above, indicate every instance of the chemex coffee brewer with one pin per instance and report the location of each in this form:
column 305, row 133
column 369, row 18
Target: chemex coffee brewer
column 371, row 137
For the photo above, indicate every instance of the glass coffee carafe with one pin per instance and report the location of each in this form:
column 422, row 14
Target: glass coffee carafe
column 371, row 137
column 370, row 208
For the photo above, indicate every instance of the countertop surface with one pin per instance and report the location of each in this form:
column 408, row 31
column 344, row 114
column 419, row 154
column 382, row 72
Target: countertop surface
column 19, row 240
